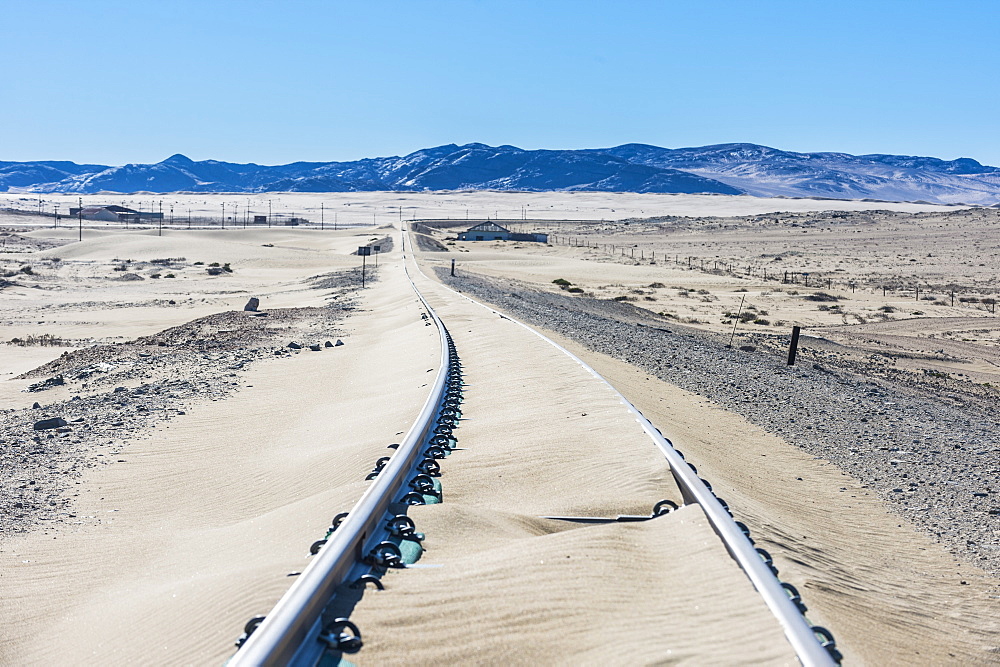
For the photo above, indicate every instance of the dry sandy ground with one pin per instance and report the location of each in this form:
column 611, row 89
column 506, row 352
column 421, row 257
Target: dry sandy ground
column 198, row 528
column 367, row 208
column 215, row 509
column 543, row 438
column 953, row 257
column 891, row 594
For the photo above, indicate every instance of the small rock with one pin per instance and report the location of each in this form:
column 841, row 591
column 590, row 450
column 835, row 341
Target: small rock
column 315, row 348
column 52, row 422
column 252, row 304
column 295, row 346
column 48, row 384
column 339, row 343
column 328, row 344
column 36, row 405
column 172, row 302
column 748, row 348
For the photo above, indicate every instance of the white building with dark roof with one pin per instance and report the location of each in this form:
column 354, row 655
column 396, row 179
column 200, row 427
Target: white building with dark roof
column 491, row 231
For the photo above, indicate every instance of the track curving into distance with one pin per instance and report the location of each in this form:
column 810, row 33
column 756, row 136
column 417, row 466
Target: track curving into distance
column 293, row 633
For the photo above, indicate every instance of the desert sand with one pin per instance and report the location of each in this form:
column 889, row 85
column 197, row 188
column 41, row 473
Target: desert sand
column 197, row 520
column 378, row 208
column 171, row 550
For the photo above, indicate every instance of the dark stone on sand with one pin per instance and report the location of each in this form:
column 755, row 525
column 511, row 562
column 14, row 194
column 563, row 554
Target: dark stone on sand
column 47, row 384
column 328, row 344
column 252, row 304
column 36, row 405
column 315, row 348
column 339, row 343
column 52, row 422
column 294, row 345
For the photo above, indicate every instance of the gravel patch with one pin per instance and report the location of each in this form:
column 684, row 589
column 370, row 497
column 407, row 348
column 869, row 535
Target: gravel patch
column 123, row 391
column 349, row 279
column 936, row 459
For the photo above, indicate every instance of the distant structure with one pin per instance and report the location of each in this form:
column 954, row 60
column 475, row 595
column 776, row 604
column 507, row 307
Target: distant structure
column 491, row 231
column 113, row 214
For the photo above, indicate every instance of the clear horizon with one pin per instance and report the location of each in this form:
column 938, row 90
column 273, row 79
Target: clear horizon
column 113, row 82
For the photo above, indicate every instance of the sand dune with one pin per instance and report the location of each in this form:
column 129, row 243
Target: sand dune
column 197, row 528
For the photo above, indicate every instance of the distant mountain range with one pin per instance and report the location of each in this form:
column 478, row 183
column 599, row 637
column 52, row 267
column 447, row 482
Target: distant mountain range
column 724, row 169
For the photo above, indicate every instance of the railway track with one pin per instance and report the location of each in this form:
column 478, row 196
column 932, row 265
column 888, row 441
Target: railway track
column 377, row 535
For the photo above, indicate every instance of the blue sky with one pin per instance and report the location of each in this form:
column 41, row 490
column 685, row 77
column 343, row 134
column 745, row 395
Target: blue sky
column 274, row 82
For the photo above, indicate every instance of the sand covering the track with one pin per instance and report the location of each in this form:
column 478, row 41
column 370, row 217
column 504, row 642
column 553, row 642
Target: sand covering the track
column 544, row 437
column 213, row 511
column 891, row 594
column 888, row 592
column 199, row 528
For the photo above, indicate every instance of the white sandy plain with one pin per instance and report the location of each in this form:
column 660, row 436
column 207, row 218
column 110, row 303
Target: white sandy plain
column 201, row 525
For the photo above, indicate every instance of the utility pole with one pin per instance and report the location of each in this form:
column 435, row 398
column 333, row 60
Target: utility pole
column 189, row 217
column 321, row 216
column 223, row 215
column 268, row 213
column 79, row 214
column 56, row 223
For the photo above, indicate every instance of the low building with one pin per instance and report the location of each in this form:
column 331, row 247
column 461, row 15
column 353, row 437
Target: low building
column 97, row 213
column 113, row 213
column 491, row 231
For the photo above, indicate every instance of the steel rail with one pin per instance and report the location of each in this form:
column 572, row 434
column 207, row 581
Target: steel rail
column 798, row 632
column 297, row 616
